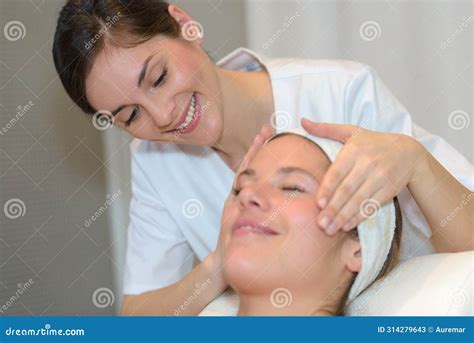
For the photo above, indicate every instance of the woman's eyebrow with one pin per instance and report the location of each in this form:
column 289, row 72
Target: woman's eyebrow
column 290, row 170
column 141, row 77
column 142, row 74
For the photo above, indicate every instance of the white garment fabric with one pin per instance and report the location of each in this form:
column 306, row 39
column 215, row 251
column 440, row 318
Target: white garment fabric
column 179, row 191
column 417, row 287
column 375, row 232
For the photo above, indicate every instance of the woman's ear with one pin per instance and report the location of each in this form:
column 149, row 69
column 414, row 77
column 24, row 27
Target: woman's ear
column 179, row 14
column 190, row 28
column 351, row 254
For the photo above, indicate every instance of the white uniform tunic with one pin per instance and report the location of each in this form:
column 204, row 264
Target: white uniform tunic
column 179, row 191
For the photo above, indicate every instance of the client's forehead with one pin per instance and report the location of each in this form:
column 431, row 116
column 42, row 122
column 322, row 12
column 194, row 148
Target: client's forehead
column 291, row 150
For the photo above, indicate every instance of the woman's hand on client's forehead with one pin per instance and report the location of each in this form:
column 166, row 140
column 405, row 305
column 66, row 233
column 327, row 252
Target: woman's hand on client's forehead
column 258, row 142
column 369, row 171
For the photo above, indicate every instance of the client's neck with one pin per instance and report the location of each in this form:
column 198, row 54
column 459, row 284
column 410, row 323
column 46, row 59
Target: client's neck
column 285, row 303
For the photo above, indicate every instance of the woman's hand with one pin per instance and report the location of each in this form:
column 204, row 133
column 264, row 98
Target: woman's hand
column 369, row 171
column 258, row 142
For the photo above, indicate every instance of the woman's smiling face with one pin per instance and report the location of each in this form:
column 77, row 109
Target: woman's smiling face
column 269, row 222
column 270, row 234
column 156, row 102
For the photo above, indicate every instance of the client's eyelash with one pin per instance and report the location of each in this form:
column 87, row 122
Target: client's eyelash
column 293, row 189
column 235, row 191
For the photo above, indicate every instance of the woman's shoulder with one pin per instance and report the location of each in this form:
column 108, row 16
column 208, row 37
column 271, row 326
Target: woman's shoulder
column 297, row 67
column 153, row 152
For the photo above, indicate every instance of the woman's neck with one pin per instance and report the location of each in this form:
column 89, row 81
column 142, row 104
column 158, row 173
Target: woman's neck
column 247, row 106
column 285, row 304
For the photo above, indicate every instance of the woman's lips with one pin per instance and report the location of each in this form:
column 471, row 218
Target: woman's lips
column 249, row 226
column 196, row 117
column 184, row 115
column 194, row 122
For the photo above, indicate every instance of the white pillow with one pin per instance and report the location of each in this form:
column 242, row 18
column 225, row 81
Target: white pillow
column 431, row 285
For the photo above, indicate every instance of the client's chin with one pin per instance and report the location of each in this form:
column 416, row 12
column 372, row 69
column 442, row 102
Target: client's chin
column 250, row 268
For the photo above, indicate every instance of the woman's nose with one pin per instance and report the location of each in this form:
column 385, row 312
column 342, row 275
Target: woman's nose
column 162, row 114
column 253, row 198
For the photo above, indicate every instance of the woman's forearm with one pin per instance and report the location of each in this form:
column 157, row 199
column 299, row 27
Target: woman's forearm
column 187, row 297
column 447, row 205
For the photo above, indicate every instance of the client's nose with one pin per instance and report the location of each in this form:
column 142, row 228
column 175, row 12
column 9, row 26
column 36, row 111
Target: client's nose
column 253, row 197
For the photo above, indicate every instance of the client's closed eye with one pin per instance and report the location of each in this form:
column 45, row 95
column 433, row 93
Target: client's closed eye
column 293, row 188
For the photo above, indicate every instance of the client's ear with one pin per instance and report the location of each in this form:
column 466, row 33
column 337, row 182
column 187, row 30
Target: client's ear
column 351, row 254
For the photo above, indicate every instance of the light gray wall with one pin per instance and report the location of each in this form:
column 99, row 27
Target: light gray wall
column 422, row 50
column 63, row 170
column 51, row 160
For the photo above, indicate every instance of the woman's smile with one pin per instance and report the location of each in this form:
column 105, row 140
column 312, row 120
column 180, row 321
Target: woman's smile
column 190, row 117
column 248, row 226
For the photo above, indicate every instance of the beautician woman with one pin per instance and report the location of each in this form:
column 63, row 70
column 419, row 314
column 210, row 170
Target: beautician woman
column 142, row 61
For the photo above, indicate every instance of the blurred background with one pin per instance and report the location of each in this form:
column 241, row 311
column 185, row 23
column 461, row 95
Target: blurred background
column 65, row 185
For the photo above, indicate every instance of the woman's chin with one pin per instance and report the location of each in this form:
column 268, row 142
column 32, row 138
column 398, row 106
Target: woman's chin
column 247, row 271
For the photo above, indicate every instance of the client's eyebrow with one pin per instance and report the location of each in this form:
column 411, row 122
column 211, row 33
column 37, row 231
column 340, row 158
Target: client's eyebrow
column 281, row 171
column 290, row 170
column 246, row 172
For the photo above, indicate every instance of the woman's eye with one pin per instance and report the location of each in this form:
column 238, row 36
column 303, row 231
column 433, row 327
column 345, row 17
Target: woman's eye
column 235, row 191
column 161, row 78
column 293, row 189
column 132, row 117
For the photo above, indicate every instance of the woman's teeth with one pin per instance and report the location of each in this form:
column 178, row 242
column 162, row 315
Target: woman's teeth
column 190, row 115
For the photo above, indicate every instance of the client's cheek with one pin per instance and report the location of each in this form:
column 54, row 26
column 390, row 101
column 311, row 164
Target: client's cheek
column 304, row 236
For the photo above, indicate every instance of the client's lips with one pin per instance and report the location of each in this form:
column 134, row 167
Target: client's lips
column 247, row 226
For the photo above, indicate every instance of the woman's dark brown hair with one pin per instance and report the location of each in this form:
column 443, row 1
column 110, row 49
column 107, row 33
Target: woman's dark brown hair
column 85, row 26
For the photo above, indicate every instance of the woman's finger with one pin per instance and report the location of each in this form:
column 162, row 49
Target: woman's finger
column 343, row 193
column 258, row 142
column 361, row 202
column 368, row 208
column 333, row 177
column 266, row 132
column 338, row 132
